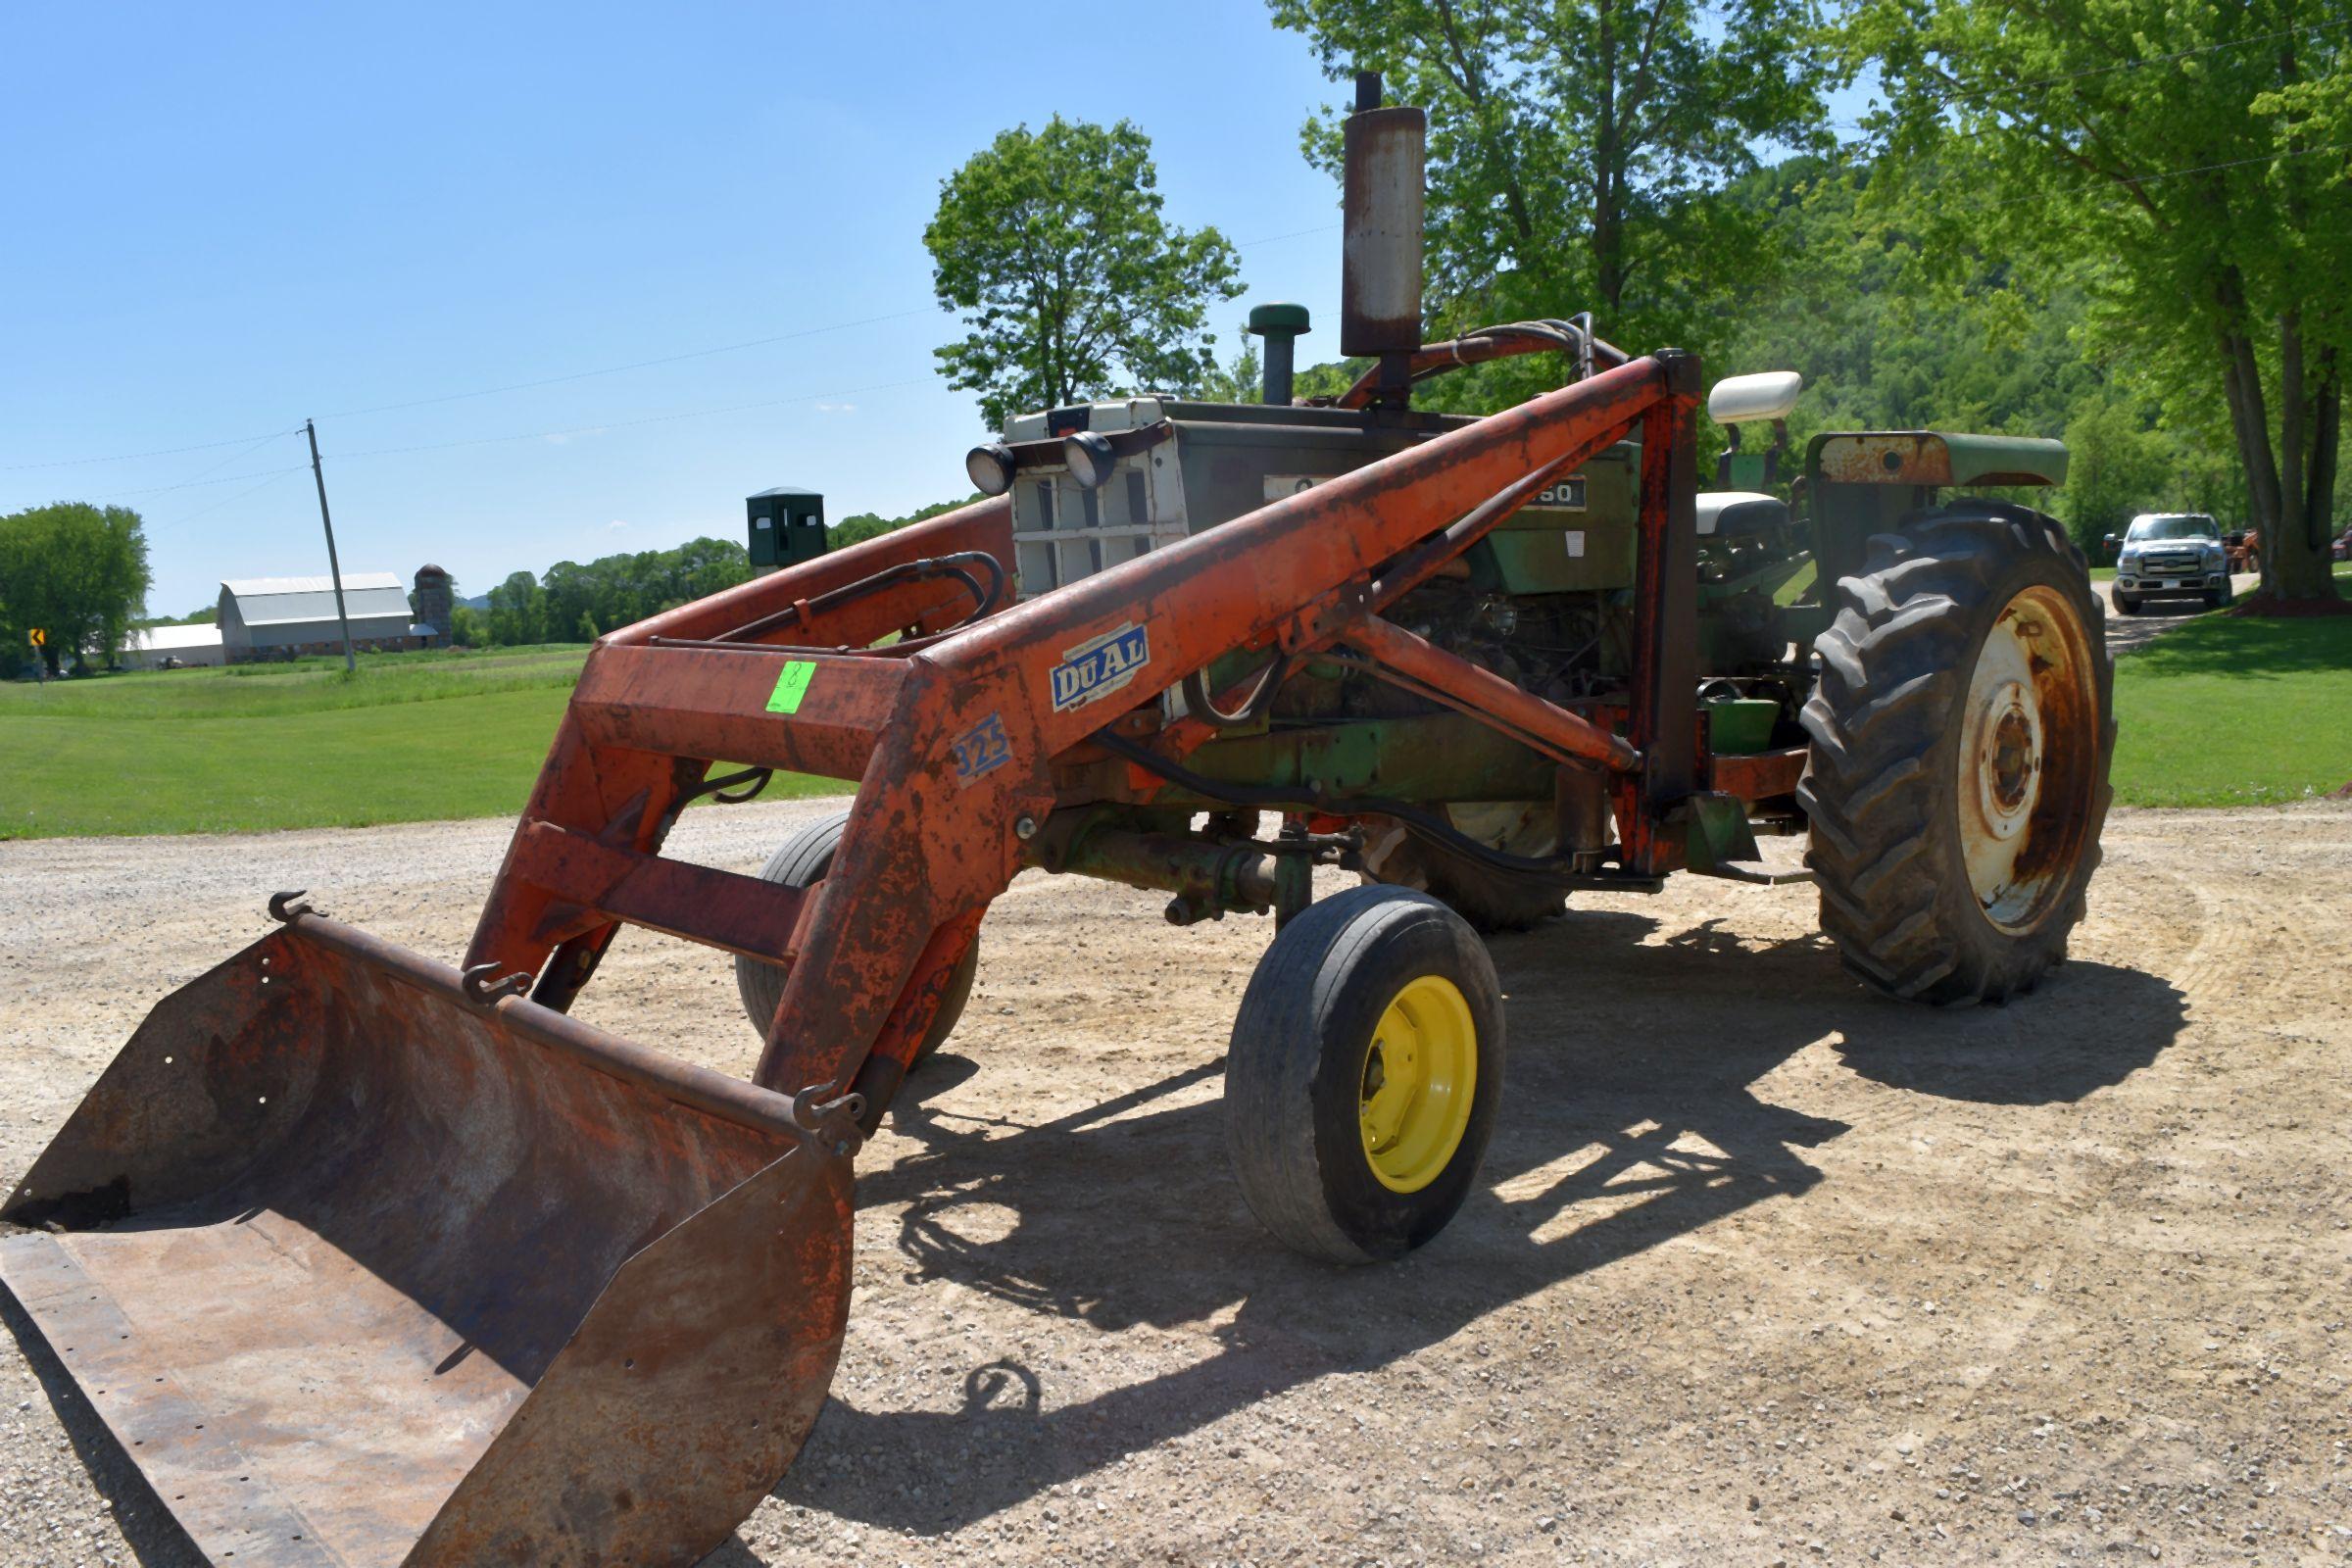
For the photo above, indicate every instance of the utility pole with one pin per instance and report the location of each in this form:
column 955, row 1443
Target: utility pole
column 351, row 665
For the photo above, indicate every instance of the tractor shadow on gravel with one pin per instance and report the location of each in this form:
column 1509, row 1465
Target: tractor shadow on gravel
column 1632, row 1119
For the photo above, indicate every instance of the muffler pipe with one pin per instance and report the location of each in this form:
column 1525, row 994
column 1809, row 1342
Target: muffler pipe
column 1384, row 157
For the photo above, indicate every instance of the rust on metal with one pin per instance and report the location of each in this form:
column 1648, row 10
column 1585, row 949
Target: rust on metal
column 708, row 703
column 1665, row 618
column 1899, row 456
column 1757, row 776
column 1493, row 343
column 598, row 884
column 1487, row 696
column 1380, row 268
column 360, row 1271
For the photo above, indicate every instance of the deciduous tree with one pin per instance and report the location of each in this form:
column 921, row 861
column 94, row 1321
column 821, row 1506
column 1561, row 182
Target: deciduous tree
column 1070, row 282
column 1578, row 147
column 76, row 571
column 2192, row 161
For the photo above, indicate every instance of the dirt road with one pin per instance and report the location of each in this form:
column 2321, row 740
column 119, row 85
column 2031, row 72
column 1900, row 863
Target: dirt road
column 1766, row 1270
column 2158, row 615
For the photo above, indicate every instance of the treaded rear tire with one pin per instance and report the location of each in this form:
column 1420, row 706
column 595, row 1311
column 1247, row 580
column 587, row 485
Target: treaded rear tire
column 802, row 861
column 1296, row 1059
column 1882, row 785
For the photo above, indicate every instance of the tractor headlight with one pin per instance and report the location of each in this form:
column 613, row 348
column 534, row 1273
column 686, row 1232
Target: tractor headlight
column 990, row 468
column 1089, row 458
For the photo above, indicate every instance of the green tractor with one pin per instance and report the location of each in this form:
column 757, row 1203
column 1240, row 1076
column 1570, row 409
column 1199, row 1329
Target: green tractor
column 1869, row 653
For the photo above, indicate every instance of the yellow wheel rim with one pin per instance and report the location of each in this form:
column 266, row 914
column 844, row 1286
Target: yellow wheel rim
column 1420, row 1071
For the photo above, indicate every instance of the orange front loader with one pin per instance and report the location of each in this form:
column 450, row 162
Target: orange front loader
column 367, row 1260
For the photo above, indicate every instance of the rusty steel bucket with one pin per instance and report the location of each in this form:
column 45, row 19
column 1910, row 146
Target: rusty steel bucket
column 363, row 1264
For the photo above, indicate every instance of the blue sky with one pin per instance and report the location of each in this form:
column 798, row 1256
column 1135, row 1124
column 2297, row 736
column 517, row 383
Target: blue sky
column 224, row 222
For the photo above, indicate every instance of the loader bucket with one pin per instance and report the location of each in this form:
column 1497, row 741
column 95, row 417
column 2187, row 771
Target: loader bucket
column 362, row 1265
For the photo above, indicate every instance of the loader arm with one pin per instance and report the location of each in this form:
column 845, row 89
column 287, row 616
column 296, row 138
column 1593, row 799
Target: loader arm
column 953, row 746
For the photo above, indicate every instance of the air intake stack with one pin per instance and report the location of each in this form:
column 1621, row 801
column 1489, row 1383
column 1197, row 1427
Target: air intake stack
column 1386, row 153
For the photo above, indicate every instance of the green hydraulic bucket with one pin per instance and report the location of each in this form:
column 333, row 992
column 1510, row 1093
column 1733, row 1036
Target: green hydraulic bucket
column 368, row 1264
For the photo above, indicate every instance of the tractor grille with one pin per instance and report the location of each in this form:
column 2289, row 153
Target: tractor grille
column 1062, row 531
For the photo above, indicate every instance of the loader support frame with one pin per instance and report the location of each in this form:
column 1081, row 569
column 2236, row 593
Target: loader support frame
column 966, row 734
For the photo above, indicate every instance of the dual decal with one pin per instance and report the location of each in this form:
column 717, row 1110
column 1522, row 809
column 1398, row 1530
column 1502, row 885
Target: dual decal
column 1091, row 671
column 1098, row 666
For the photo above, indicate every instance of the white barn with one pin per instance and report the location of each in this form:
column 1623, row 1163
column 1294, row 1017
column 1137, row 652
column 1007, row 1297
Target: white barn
column 148, row 647
column 283, row 617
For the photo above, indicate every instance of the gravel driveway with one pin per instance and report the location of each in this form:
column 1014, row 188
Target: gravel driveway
column 1764, row 1269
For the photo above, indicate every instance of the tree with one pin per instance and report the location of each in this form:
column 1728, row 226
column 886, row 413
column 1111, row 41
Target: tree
column 1241, row 381
column 859, row 526
column 576, row 601
column 517, row 611
column 77, row 572
column 2116, row 467
column 1578, row 148
column 1052, row 246
column 2192, row 162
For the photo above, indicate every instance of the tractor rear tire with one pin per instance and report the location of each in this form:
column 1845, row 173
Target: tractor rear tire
column 802, row 861
column 1493, row 901
column 1961, row 731
column 1364, row 1070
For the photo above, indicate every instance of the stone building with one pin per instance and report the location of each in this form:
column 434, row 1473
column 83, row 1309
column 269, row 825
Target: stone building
column 436, row 606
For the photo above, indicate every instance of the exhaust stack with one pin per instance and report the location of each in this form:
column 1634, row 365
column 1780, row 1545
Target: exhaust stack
column 1385, row 155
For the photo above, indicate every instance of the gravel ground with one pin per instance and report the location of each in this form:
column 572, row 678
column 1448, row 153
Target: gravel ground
column 1765, row 1270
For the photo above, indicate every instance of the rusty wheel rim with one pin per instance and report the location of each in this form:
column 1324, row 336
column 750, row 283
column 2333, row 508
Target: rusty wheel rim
column 2027, row 739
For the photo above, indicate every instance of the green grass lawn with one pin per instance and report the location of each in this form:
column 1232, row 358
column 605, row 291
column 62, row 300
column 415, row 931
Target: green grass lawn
column 2235, row 710
column 2226, row 710
column 415, row 737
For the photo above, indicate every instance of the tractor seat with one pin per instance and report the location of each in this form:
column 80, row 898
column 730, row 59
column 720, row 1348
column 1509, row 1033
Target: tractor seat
column 1728, row 513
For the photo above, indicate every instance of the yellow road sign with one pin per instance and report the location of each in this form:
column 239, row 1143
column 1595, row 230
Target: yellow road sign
column 37, row 637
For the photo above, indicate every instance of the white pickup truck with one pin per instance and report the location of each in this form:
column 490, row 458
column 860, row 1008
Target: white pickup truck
column 2171, row 554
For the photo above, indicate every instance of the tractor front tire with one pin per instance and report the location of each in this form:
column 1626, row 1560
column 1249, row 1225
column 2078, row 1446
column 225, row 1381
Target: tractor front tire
column 1961, row 733
column 802, row 861
column 1365, row 1068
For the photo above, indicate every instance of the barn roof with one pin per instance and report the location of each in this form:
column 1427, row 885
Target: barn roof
column 282, row 601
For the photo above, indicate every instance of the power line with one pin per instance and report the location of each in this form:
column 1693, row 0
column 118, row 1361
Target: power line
column 623, row 424
column 557, row 380
column 191, row 484
column 158, row 451
column 1295, row 233
column 279, row 477
column 615, row 370
column 530, row 435
column 2200, row 168
column 223, row 463
column 723, row 348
